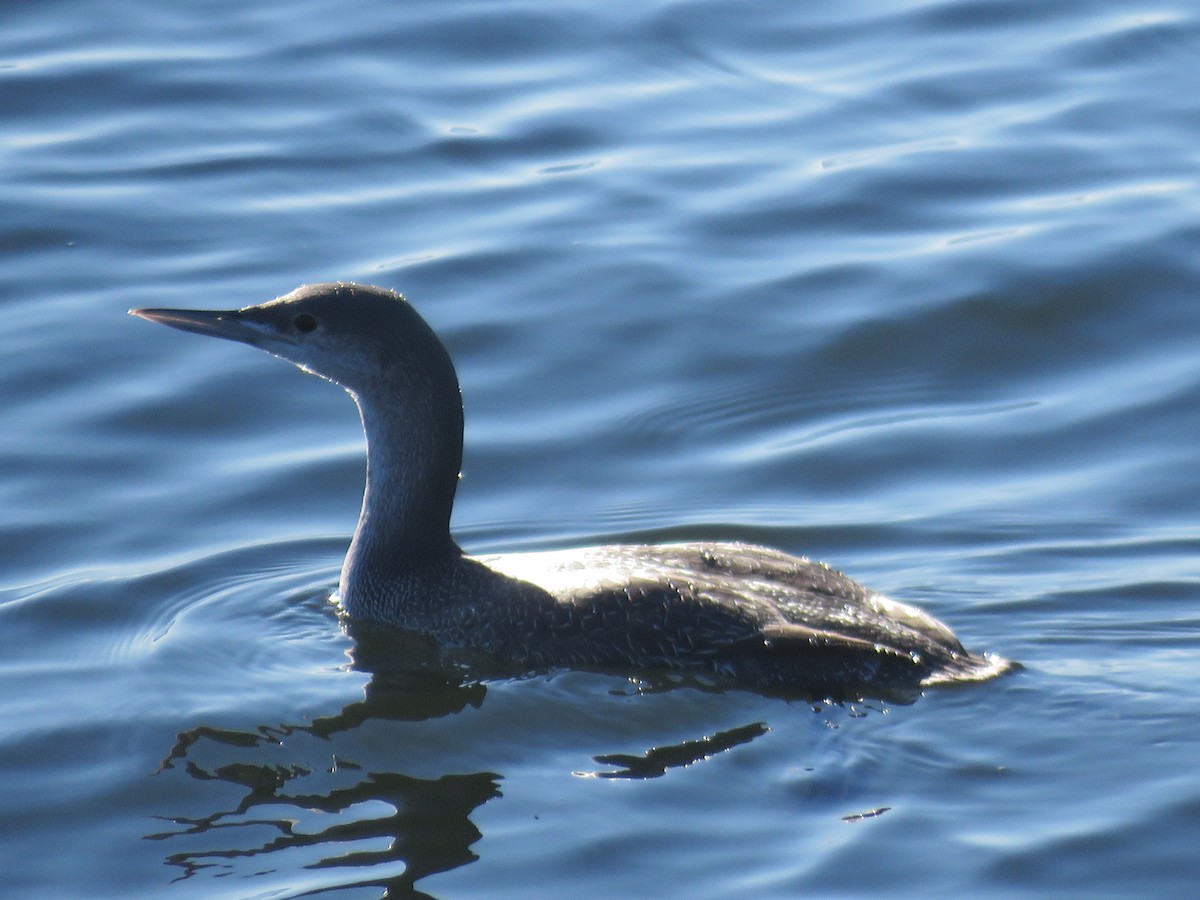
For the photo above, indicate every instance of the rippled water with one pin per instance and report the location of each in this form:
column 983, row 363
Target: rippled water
column 911, row 288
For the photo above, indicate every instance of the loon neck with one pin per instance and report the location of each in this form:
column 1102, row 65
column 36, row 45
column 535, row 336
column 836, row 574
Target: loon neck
column 414, row 453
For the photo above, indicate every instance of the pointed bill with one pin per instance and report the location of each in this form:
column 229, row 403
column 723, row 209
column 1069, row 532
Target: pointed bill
column 222, row 323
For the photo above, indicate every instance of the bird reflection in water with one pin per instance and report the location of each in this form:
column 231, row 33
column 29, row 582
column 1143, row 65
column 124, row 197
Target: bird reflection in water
column 352, row 828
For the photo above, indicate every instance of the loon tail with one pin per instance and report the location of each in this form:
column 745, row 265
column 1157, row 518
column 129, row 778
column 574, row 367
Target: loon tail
column 970, row 667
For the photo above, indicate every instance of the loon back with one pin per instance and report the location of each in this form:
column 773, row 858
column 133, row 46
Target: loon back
column 748, row 613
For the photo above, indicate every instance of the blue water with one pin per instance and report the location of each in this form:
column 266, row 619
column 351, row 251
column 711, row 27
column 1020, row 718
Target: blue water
column 908, row 287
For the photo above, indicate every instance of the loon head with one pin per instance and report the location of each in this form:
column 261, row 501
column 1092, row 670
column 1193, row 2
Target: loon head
column 367, row 339
column 371, row 342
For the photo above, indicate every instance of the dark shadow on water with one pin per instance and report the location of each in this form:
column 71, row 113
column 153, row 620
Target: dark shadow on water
column 423, row 825
column 429, row 829
column 655, row 762
column 384, row 829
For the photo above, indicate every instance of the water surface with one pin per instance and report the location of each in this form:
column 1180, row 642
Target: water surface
column 910, row 288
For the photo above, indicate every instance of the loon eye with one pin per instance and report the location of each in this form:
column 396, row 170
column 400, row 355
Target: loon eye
column 305, row 323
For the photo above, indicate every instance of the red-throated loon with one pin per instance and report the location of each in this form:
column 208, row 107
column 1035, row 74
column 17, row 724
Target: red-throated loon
column 754, row 615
